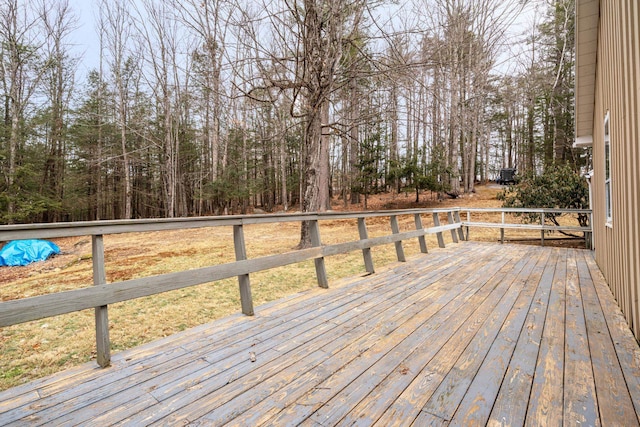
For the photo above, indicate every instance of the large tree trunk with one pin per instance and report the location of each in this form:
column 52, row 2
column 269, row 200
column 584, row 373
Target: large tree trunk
column 316, row 171
column 322, row 41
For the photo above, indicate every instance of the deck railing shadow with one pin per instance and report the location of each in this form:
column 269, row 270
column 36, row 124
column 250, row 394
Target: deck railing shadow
column 102, row 294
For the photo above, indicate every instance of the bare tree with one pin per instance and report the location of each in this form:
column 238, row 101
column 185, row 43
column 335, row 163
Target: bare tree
column 116, row 24
column 471, row 33
column 308, row 41
column 22, row 68
column 210, row 21
column 58, row 21
column 158, row 36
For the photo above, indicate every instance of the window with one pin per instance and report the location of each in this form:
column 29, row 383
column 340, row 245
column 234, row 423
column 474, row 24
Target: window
column 607, row 169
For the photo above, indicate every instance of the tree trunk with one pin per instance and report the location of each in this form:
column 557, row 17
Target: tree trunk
column 354, row 142
column 282, row 146
column 316, row 185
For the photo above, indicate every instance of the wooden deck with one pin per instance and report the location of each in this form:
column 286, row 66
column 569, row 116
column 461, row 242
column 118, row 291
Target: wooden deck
column 475, row 334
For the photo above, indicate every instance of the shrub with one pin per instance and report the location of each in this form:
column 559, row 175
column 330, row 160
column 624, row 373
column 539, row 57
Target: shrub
column 559, row 187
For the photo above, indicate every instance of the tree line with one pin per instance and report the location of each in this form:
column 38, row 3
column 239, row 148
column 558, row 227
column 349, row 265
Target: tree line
column 203, row 107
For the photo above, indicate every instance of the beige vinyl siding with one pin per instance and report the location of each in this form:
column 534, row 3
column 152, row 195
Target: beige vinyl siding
column 618, row 91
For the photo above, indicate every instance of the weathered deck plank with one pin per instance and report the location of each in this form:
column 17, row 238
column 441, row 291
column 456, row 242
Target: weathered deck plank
column 428, row 361
column 289, row 351
column 627, row 350
column 415, row 396
column 474, row 334
column 546, row 400
column 458, row 373
column 476, row 405
column 510, row 407
column 372, row 345
column 431, row 336
column 614, row 400
column 580, row 403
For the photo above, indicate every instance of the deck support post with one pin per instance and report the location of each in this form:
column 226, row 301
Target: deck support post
column 456, row 217
column 421, row 239
column 103, row 344
column 542, row 229
column 321, row 272
column 502, row 230
column 436, row 223
column 366, row 252
column 395, row 229
column 246, row 301
column 454, row 235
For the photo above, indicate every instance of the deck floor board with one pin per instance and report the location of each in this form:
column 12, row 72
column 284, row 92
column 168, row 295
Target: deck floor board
column 473, row 334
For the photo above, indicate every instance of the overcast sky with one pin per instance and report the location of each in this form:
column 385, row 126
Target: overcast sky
column 85, row 37
column 87, row 44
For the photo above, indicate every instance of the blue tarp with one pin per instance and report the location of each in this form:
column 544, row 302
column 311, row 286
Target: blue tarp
column 23, row 252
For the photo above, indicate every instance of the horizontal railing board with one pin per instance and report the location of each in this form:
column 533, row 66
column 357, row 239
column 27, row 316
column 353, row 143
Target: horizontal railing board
column 86, row 228
column 39, row 307
column 342, row 248
column 528, row 210
column 525, row 226
column 441, row 228
column 48, row 231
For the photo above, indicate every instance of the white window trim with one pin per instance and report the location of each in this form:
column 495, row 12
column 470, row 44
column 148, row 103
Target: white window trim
column 608, row 205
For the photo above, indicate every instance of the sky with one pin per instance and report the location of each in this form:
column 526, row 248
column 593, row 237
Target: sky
column 85, row 37
column 86, row 41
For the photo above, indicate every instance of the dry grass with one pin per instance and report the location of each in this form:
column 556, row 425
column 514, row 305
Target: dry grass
column 35, row 349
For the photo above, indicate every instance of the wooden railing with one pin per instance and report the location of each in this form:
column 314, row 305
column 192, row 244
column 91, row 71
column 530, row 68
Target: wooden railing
column 101, row 295
column 544, row 225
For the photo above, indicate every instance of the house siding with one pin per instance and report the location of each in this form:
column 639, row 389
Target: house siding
column 617, row 90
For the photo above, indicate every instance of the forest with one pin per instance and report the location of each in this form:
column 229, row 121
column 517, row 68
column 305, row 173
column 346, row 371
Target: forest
column 211, row 107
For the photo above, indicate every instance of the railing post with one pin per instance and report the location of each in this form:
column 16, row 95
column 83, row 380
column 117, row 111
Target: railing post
column 321, row 272
column 454, row 235
column 436, row 222
column 502, row 230
column 589, row 234
column 103, row 344
column 542, row 230
column 457, row 220
column 246, row 300
column 421, row 239
column 366, row 252
column 395, row 229
column 468, row 221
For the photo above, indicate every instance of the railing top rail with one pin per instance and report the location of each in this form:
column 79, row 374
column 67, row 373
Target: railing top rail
column 523, row 210
column 85, row 228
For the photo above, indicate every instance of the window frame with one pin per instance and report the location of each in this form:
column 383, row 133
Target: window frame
column 608, row 211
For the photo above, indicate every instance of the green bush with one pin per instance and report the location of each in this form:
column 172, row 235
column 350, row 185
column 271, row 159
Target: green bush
column 559, row 187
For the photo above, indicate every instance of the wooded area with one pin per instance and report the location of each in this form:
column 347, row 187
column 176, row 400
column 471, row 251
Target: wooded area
column 203, row 107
